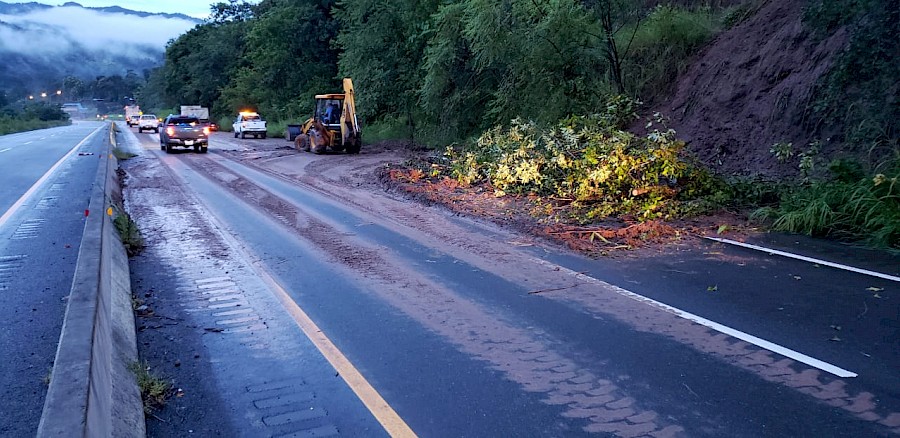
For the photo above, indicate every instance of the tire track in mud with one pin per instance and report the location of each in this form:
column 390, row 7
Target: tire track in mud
column 598, row 299
column 519, row 354
column 237, row 319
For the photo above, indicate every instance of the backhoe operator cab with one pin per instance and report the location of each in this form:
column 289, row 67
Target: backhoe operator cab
column 334, row 125
column 329, row 111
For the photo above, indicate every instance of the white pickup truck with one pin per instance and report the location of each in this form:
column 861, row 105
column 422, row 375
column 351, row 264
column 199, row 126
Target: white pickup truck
column 148, row 122
column 249, row 123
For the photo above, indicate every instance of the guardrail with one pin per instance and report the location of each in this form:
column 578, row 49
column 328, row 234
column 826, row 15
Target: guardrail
column 92, row 393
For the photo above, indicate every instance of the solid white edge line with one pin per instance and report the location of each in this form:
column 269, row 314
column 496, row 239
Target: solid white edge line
column 16, row 205
column 762, row 343
column 806, row 259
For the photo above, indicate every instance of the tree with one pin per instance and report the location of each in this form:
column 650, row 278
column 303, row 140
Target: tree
column 73, row 88
column 199, row 65
column 382, row 43
column 500, row 59
column 234, row 10
column 289, row 57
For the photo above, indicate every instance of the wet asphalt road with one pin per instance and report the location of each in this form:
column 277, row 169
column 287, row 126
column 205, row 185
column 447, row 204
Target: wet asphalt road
column 39, row 242
column 462, row 349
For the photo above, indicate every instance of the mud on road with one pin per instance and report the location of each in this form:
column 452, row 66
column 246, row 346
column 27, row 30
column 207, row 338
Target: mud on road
column 602, row 390
column 371, row 182
column 380, row 168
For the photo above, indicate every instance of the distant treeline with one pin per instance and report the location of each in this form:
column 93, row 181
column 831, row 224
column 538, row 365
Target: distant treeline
column 108, row 94
column 29, row 116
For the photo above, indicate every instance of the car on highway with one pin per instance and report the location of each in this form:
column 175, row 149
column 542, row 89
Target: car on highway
column 249, row 123
column 183, row 131
column 148, row 122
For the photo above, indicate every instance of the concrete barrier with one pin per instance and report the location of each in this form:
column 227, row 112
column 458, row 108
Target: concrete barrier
column 92, row 392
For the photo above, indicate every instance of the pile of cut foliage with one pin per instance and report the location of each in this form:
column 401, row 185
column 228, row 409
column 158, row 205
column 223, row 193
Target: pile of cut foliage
column 585, row 178
column 589, row 163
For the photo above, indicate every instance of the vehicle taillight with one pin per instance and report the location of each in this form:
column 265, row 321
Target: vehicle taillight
column 206, row 130
column 170, row 130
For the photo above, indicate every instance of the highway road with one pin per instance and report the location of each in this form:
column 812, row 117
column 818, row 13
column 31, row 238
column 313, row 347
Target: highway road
column 281, row 305
column 46, row 177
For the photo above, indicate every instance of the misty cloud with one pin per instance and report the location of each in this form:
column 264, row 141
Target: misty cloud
column 55, row 30
column 41, row 44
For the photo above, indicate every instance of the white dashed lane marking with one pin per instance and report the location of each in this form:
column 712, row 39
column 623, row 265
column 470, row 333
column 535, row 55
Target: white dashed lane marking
column 807, row 259
column 759, row 342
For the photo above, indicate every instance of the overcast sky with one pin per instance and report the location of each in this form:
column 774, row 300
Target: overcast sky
column 194, row 8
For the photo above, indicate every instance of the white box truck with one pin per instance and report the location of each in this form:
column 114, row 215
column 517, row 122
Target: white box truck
column 196, row 111
column 132, row 114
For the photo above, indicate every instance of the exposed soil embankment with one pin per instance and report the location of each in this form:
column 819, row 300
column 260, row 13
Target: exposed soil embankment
column 752, row 87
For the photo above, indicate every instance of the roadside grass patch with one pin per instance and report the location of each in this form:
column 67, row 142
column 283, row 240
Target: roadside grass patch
column 11, row 125
column 396, row 128
column 121, row 154
column 276, row 129
column 850, row 205
column 154, row 389
column 129, row 233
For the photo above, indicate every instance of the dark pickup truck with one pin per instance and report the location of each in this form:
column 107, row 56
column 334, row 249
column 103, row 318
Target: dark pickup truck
column 183, row 131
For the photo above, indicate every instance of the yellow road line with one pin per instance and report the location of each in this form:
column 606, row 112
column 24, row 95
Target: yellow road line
column 380, row 409
column 16, row 205
column 383, row 412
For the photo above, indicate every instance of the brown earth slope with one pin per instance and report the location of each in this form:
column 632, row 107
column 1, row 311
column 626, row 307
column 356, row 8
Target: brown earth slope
column 750, row 88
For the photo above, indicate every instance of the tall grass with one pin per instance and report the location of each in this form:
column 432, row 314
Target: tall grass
column 866, row 208
column 276, row 129
column 154, row 389
column 662, row 45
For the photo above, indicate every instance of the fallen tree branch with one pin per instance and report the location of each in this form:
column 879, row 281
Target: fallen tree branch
column 552, row 289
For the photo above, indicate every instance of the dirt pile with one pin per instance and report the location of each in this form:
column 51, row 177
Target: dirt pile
column 751, row 88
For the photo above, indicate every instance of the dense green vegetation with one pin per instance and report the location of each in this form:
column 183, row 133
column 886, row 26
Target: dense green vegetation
column 432, row 70
column 851, row 203
column 30, row 116
column 860, row 93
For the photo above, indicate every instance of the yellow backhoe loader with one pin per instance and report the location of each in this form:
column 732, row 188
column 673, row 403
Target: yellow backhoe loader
column 333, row 127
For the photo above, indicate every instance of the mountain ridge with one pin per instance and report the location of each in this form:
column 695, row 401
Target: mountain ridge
column 13, row 8
column 42, row 44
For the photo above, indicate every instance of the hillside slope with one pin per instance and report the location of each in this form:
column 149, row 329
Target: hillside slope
column 750, row 88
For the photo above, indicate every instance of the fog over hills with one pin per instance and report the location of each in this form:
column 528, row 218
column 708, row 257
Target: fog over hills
column 41, row 44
